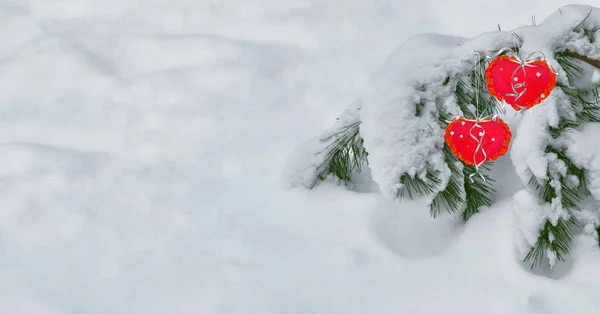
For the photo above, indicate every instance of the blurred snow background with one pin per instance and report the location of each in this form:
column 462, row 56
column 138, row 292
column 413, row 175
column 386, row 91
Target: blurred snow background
column 141, row 150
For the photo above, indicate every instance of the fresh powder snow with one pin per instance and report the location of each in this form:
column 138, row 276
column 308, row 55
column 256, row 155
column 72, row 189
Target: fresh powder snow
column 142, row 144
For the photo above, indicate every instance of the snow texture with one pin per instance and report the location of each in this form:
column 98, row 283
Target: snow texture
column 142, row 143
column 584, row 151
column 530, row 216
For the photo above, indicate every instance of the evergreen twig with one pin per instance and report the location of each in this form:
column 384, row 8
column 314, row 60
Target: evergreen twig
column 556, row 238
column 477, row 193
column 451, row 198
column 460, row 193
column 587, row 16
column 416, row 186
column 552, row 238
column 571, row 67
column 345, row 155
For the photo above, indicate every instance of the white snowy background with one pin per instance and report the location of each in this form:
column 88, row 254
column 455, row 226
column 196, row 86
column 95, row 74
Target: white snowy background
column 141, row 150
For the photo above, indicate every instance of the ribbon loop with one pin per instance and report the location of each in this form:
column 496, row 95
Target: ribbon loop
column 479, row 145
column 474, row 174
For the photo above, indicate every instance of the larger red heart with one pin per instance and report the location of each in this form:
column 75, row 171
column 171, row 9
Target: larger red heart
column 494, row 136
column 536, row 78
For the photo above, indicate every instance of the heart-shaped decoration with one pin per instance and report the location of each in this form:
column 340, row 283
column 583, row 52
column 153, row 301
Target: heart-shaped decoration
column 494, row 136
column 535, row 78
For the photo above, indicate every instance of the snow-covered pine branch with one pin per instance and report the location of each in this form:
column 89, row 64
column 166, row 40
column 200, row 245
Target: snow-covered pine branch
column 432, row 78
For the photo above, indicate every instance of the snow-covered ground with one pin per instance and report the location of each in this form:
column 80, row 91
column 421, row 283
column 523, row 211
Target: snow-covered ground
column 141, row 150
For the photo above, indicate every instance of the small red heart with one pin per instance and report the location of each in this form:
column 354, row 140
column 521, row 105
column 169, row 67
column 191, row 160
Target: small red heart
column 494, row 136
column 539, row 80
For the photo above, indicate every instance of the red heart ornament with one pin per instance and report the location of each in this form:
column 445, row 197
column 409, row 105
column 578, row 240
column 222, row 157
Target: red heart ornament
column 494, row 136
column 536, row 76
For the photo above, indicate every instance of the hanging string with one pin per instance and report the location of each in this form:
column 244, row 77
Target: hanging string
column 477, row 125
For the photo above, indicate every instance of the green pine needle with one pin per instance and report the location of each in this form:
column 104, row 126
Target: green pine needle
column 571, row 196
column 555, row 238
column 467, row 99
column 477, row 193
column 564, row 125
column 578, row 26
column 589, row 33
column 464, row 98
column 446, row 80
column 415, row 186
column 419, row 108
column 451, row 198
column 571, row 66
column 583, row 176
column 586, row 105
column 590, row 112
column 460, row 193
column 345, row 155
column 546, row 192
column 585, row 102
column 444, row 119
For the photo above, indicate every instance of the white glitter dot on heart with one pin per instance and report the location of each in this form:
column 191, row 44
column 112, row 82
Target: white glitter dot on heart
column 461, row 136
column 516, row 79
column 493, row 139
column 462, row 123
column 452, row 133
column 543, row 95
column 538, row 74
column 480, row 133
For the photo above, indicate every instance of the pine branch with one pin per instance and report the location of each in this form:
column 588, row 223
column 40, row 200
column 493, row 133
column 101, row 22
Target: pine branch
column 444, row 119
column 460, row 193
column 552, row 238
column 586, row 103
column 564, row 125
column 556, row 239
column 571, row 196
column 472, row 95
column 570, row 66
column 477, row 193
column 487, row 105
column 464, row 98
column 451, row 198
column 589, row 33
column 345, row 155
column 590, row 110
column 415, row 186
